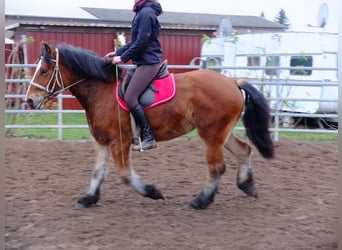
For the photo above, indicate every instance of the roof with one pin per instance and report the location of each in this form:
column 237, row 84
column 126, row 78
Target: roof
column 186, row 20
column 103, row 17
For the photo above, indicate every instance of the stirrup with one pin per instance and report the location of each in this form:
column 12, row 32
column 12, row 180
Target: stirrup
column 144, row 145
column 136, row 141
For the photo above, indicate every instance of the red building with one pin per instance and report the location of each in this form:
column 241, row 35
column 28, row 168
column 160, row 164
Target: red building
column 180, row 37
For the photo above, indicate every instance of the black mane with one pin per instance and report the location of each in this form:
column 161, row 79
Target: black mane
column 87, row 64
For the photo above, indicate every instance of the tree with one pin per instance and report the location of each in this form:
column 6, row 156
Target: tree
column 282, row 19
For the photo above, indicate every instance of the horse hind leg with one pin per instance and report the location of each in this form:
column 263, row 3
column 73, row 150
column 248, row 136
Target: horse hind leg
column 99, row 173
column 242, row 151
column 216, row 168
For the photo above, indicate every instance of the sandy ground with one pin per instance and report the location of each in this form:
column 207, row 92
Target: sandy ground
column 296, row 208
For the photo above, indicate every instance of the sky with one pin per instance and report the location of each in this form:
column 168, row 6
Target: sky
column 300, row 12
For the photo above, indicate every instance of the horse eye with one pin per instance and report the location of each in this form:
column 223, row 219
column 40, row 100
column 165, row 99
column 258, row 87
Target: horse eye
column 43, row 72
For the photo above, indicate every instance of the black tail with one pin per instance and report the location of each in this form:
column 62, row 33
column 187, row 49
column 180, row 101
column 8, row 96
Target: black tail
column 256, row 119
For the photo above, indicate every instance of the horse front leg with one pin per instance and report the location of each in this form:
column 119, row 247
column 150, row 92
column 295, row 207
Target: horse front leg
column 99, row 173
column 146, row 190
column 242, row 151
column 129, row 176
column 216, row 168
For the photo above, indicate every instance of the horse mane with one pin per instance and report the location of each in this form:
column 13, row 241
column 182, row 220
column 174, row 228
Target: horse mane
column 87, row 64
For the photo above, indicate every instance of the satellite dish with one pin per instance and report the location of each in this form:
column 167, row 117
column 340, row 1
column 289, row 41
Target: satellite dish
column 225, row 27
column 322, row 15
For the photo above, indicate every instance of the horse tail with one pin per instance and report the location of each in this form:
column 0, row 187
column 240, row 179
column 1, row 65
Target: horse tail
column 256, row 119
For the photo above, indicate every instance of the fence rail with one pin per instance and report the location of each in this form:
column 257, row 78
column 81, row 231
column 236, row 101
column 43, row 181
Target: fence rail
column 277, row 113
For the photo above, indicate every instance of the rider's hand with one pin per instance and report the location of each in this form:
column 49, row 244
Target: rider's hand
column 116, row 59
column 110, row 54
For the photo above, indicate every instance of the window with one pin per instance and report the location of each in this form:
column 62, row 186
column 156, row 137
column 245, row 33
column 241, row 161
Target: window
column 273, row 61
column 253, row 61
column 301, row 61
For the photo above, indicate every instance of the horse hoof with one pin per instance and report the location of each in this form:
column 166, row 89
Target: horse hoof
column 153, row 192
column 79, row 206
column 195, row 204
column 200, row 203
column 248, row 186
column 249, row 189
column 88, row 200
column 253, row 192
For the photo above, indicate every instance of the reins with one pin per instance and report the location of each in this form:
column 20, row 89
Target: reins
column 119, row 118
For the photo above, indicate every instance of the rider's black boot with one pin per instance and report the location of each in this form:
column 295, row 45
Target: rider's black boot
column 147, row 140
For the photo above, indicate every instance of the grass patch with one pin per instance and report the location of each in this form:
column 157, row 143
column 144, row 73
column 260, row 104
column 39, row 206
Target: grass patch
column 309, row 136
column 76, row 134
column 47, row 119
column 293, row 135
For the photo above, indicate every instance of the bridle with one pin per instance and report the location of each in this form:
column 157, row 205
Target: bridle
column 55, row 80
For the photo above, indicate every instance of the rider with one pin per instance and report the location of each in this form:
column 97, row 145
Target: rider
column 145, row 51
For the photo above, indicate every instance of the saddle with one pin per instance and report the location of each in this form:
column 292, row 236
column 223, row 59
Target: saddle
column 148, row 96
column 161, row 89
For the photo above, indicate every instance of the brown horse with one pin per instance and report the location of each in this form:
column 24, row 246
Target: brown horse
column 205, row 100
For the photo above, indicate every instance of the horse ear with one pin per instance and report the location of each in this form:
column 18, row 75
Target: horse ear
column 45, row 46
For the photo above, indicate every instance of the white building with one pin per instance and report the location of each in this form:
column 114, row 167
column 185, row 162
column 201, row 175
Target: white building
column 285, row 50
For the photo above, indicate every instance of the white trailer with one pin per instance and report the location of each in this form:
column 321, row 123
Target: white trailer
column 282, row 52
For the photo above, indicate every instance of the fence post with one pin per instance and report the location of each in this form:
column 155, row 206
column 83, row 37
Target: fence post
column 204, row 64
column 277, row 110
column 60, row 117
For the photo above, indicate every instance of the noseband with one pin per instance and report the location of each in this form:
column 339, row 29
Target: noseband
column 55, row 80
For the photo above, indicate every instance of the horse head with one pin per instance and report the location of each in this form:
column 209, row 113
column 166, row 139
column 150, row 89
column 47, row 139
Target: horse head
column 47, row 81
column 61, row 68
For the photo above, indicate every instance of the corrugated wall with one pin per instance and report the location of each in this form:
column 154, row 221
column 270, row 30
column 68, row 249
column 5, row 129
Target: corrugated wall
column 100, row 43
column 178, row 49
column 181, row 49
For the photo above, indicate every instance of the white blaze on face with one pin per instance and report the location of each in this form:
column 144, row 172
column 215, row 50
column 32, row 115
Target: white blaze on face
column 34, row 77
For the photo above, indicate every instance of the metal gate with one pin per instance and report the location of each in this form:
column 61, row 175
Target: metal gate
column 280, row 117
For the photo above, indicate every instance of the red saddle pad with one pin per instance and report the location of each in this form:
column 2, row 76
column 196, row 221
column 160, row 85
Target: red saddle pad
column 166, row 91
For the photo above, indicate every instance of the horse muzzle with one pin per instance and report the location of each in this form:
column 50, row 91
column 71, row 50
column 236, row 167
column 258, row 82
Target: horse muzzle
column 35, row 102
